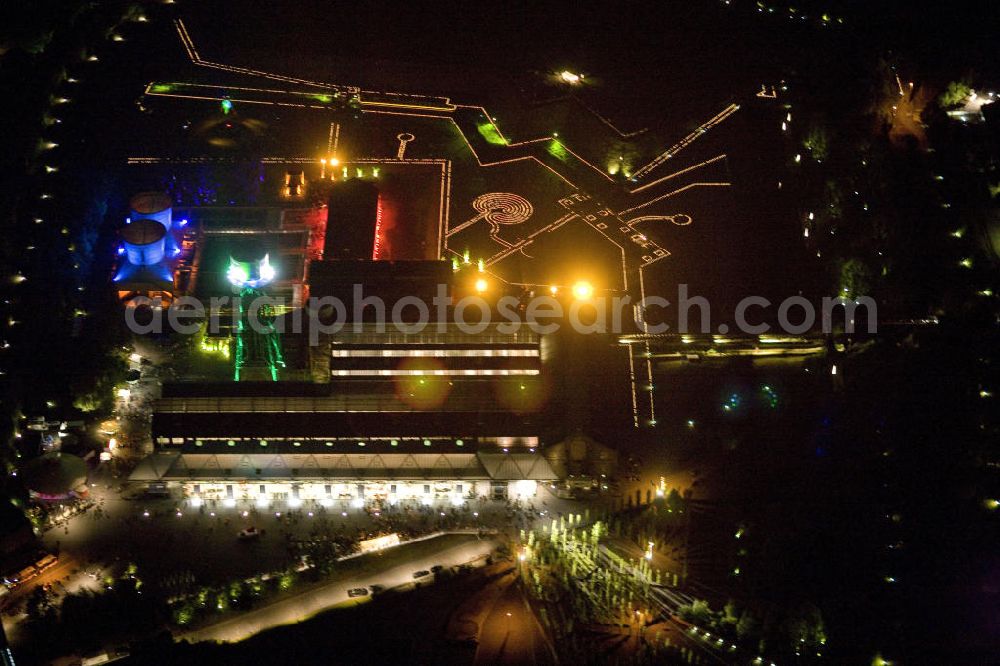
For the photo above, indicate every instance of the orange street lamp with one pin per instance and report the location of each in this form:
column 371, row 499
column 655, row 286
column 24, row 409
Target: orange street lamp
column 583, row 290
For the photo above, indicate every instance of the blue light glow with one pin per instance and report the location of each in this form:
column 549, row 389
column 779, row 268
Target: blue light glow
column 129, row 271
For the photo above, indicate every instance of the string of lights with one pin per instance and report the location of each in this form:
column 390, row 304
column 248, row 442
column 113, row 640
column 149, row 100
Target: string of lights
column 678, row 173
column 673, row 193
column 686, row 141
column 197, row 60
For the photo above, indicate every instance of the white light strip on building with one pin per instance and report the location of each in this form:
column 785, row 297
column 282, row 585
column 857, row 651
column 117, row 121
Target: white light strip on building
column 384, row 335
column 394, row 353
column 439, row 372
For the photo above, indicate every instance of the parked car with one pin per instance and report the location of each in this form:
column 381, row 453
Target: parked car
column 423, row 573
column 437, row 568
column 249, row 533
column 357, row 592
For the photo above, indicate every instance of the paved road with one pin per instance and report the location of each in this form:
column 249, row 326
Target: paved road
column 510, row 633
column 384, row 569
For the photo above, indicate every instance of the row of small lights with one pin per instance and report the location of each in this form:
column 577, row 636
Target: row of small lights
column 49, row 169
column 357, row 503
column 824, row 19
column 392, row 442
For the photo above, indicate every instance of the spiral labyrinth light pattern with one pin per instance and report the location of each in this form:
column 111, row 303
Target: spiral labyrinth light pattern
column 503, row 208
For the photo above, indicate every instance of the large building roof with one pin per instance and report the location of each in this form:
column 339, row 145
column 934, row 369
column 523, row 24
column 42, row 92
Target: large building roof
column 516, row 466
column 370, row 423
column 343, row 466
column 465, row 400
column 428, row 407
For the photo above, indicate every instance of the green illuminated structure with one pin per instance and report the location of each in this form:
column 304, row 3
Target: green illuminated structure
column 258, row 343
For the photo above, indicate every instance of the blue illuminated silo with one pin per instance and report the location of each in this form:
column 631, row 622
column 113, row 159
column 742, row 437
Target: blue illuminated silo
column 144, row 242
column 152, row 206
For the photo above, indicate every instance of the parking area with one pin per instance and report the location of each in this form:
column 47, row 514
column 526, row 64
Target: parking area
column 171, row 540
column 410, row 564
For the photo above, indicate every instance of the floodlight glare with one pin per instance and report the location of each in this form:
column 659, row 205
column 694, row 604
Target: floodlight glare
column 239, row 273
column 583, row 290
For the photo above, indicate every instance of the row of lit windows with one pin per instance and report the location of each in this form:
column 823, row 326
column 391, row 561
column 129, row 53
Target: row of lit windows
column 329, row 489
column 399, row 353
column 330, row 443
column 440, row 372
column 504, row 442
column 349, row 403
column 392, row 442
column 295, row 491
column 454, row 335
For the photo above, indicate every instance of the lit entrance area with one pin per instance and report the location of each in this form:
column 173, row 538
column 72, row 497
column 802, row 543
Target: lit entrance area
column 327, row 493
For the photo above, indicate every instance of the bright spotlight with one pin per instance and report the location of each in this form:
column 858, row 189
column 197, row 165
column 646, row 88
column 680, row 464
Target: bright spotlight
column 583, row 290
column 239, row 272
column 266, row 270
column 569, row 77
column 482, row 285
column 334, row 161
